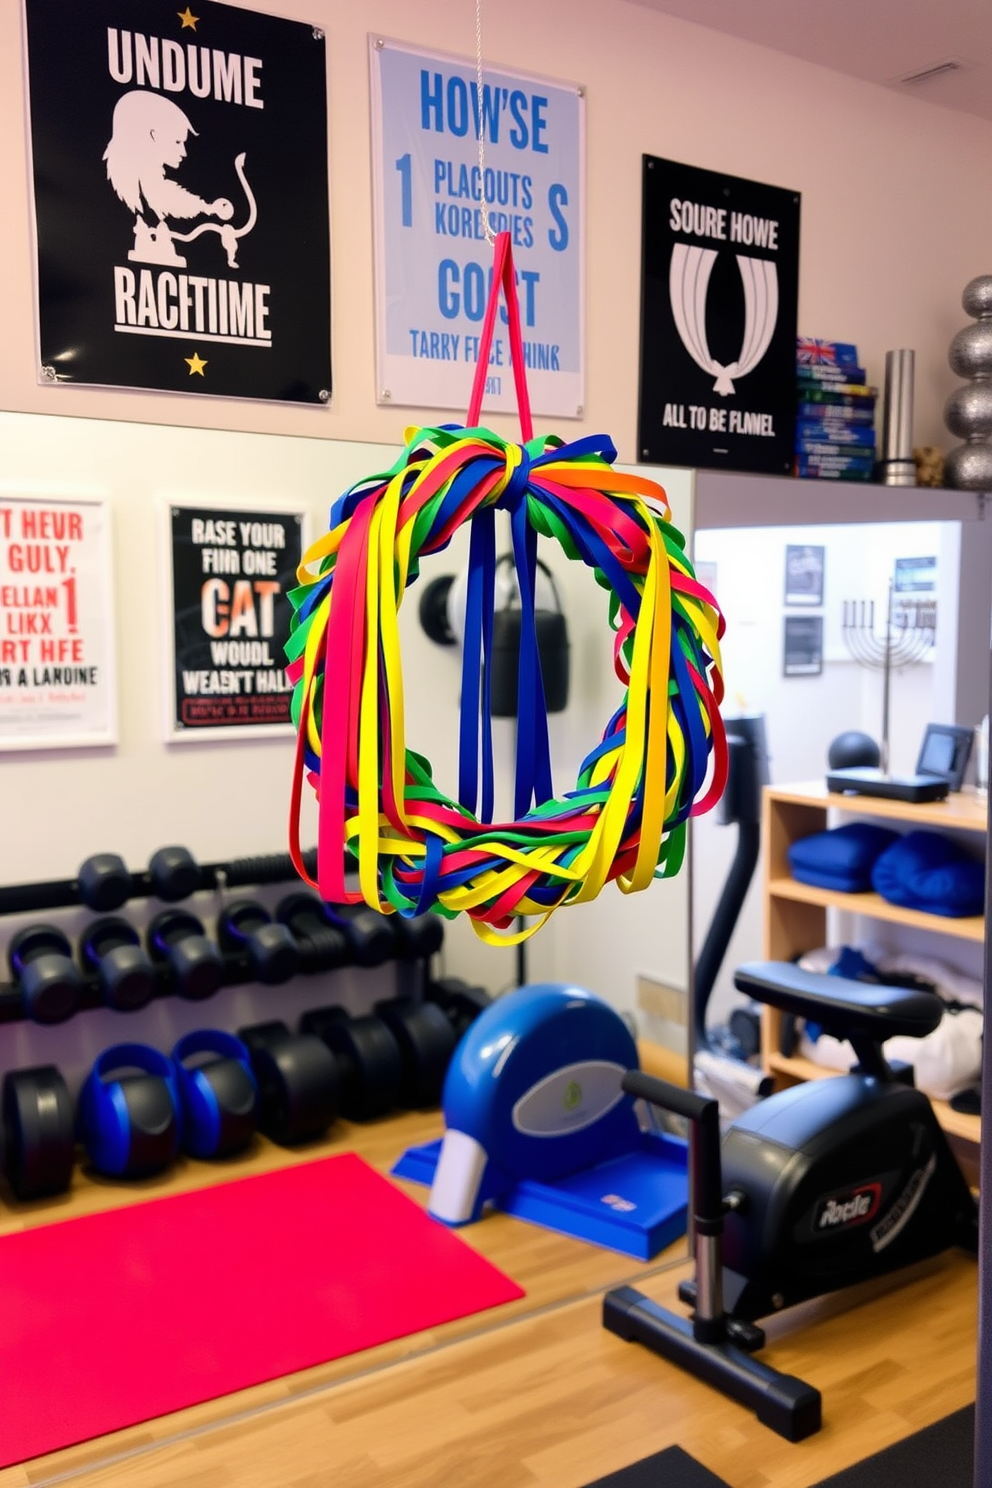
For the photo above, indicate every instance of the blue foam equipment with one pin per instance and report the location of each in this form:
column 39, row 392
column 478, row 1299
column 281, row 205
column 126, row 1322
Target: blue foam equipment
column 128, row 1113
column 218, row 1095
column 537, row 1124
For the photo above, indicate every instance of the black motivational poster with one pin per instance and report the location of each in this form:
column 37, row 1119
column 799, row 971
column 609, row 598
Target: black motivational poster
column 720, row 285
column 231, row 574
column 179, row 155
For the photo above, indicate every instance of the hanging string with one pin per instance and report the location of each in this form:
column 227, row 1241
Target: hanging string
column 481, row 122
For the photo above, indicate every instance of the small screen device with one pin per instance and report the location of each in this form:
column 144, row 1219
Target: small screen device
column 945, row 752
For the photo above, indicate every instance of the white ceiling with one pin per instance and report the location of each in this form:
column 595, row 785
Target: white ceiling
column 879, row 40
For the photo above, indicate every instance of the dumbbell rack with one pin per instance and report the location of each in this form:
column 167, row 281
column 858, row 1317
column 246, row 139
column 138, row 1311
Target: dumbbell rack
column 173, row 875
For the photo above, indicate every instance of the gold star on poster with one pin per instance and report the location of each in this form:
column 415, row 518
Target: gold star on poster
column 195, row 363
column 187, row 18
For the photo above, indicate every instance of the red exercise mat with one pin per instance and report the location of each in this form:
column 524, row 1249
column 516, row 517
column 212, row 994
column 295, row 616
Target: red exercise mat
column 118, row 1317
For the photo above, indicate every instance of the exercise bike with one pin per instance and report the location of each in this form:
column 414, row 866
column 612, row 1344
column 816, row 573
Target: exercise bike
column 829, row 1183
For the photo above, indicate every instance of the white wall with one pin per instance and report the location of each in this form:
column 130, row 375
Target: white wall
column 895, row 219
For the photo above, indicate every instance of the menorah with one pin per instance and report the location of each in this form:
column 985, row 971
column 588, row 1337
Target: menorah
column 909, row 634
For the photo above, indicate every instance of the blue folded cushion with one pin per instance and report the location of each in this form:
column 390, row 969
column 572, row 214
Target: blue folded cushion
column 925, row 870
column 841, row 858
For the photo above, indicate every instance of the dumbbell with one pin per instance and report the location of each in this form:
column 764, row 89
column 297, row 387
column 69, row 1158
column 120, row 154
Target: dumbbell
column 427, row 1040
column 104, row 882
column 218, row 1094
column 177, row 938
column 173, row 874
column 39, row 1144
column 417, row 936
column 50, row 983
column 368, row 1059
column 369, row 935
column 297, row 1081
column 129, row 1115
column 461, row 1001
column 323, row 946
column 246, row 928
column 111, row 949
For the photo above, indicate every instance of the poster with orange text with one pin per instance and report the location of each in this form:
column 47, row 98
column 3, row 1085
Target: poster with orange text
column 229, row 617
column 57, row 680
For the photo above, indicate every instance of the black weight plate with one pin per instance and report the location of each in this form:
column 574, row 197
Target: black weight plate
column 369, row 1050
column 40, row 1146
column 298, row 1085
column 427, row 1042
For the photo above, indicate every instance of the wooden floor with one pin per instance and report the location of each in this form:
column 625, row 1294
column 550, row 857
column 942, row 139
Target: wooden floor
column 536, row 1392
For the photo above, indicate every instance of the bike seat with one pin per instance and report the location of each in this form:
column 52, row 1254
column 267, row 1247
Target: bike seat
column 843, row 1008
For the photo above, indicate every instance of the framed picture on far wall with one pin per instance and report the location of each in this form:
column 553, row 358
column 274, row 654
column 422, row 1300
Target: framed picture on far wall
column 802, row 653
column 804, row 574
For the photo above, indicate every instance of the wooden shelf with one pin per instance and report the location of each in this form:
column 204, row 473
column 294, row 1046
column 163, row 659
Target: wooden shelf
column 796, row 913
column 962, row 810
column 968, row 927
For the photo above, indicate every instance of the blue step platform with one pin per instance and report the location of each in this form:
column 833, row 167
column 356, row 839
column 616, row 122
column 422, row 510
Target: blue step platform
column 635, row 1203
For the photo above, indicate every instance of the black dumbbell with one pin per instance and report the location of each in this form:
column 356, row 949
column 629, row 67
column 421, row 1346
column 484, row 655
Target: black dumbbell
column 246, row 928
column 173, row 874
column 418, row 937
column 297, row 1081
column 368, row 1057
column 370, row 935
column 111, row 948
column 39, row 1144
column 50, row 983
column 323, row 946
column 104, row 882
column 178, row 939
column 459, row 1000
column 427, row 1041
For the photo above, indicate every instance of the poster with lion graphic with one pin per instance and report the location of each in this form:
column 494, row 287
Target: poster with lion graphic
column 179, row 160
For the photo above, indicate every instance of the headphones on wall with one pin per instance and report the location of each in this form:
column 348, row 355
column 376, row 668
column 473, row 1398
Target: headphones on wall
column 442, row 616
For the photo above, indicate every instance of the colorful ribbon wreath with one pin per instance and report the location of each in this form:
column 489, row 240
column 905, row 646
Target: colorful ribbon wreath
column 626, row 818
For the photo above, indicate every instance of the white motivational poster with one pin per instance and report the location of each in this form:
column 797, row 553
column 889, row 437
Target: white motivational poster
column 57, row 682
column 433, row 263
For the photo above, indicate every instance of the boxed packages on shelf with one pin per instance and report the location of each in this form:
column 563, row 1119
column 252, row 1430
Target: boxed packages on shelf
column 835, row 412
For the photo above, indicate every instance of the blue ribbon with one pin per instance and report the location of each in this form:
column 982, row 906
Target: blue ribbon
column 477, row 648
column 533, row 754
